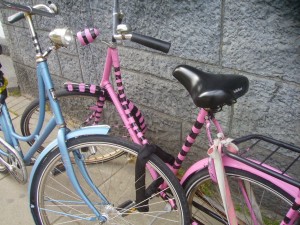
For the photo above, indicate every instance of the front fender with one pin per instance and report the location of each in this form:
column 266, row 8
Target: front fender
column 99, row 129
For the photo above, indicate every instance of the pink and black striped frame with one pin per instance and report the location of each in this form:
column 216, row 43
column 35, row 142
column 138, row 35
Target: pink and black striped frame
column 204, row 118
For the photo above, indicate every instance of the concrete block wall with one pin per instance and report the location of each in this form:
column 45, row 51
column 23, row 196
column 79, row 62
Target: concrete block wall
column 259, row 39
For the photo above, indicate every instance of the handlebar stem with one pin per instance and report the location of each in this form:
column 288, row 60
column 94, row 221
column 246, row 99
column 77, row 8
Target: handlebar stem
column 38, row 50
column 27, row 12
column 116, row 15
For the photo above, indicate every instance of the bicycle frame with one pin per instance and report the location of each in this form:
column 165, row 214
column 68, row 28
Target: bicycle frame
column 112, row 61
column 12, row 139
column 204, row 118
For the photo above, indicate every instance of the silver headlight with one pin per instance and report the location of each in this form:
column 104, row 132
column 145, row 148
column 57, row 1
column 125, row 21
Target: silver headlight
column 61, row 36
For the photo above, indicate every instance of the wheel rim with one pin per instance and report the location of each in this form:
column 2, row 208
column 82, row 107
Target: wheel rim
column 124, row 182
column 272, row 205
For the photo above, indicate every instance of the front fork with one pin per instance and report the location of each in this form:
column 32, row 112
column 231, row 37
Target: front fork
column 71, row 174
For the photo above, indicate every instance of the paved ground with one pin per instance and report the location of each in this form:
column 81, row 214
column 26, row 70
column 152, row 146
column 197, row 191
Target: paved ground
column 14, row 208
column 9, row 71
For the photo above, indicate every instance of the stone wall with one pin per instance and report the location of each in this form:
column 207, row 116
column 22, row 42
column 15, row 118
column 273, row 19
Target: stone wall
column 259, row 39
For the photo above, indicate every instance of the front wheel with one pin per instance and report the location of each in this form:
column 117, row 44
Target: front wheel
column 54, row 201
column 269, row 203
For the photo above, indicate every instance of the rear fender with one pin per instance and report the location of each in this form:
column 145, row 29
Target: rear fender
column 229, row 162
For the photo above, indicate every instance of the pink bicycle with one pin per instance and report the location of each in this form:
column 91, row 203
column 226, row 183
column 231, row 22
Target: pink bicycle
column 241, row 181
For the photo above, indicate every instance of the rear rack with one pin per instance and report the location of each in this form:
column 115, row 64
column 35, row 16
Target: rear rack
column 273, row 157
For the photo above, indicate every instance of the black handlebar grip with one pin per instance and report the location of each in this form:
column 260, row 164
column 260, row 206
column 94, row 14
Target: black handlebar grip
column 16, row 17
column 151, row 42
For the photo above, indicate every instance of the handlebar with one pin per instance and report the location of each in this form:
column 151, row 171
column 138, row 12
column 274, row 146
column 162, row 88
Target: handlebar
column 151, row 42
column 51, row 10
column 16, row 17
column 147, row 41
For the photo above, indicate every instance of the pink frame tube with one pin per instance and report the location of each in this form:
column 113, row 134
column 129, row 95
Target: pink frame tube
column 190, row 139
column 112, row 59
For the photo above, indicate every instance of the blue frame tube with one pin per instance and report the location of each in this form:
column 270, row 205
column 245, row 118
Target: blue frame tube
column 87, row 178
column 44, row 72
column 42, row 101
column 61, row 139
column 13, row 138
column 44, row 81
column 33, row 149
column 6, row 126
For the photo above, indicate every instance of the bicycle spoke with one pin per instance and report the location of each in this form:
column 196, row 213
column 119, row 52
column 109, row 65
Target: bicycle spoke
column 115, row 180
column 268, row 205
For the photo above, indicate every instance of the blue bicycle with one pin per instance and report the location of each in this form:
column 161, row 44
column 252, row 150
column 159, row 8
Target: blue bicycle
column 63, row 187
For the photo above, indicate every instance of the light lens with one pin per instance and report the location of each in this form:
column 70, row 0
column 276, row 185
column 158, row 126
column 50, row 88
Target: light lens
column 61, row 36
column 68, row 37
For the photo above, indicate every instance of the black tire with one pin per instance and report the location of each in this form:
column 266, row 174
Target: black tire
column 206, row 206
column 76, row 108
column 50, row 183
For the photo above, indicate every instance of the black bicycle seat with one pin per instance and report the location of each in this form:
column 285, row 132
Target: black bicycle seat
column 211, row 90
